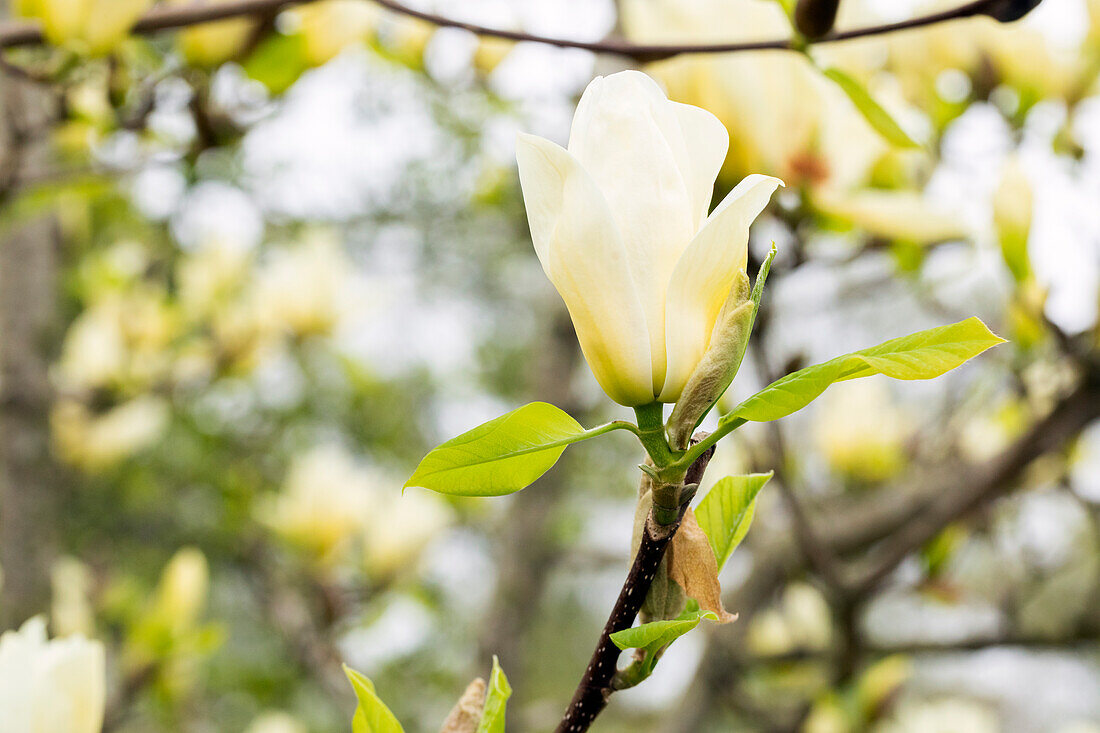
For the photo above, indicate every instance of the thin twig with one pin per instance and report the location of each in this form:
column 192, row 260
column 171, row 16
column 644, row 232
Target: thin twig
column 169, row 16
column 595, row 688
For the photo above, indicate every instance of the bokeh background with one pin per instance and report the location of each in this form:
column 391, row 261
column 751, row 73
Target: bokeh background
column 252, row 271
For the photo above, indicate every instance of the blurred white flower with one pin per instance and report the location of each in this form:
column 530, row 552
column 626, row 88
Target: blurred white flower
column 330, row 502
column 861, row 432
column 784, row 117
column 95, row 442
column 184, row 586
column 211, row 44
column 400, row 526
column 277, row 722
column 71, row 610
column 305, row 289
column 323, row 504
column 944, row 715
column 94, row 26
column 327, row 28
column 50, row 686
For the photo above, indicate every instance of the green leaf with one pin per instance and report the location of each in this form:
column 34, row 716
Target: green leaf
column 726, row 512
column 503, row 455
column 492, row 715
column 871, row 110
column 656, row 635
column 372, row 715
column 921, row 355
column 277, row 62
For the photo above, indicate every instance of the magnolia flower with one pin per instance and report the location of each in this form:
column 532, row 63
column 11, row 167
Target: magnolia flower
column 323, row 504
column 50, row 686
column 330, row 27
column 95, row 26
column 619, row 221
column 212, row 44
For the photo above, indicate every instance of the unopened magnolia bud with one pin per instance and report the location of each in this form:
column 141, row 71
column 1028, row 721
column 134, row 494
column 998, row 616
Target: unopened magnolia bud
column 719, row 364
column 465, row 716
column 1007, row 11
column 815, row 18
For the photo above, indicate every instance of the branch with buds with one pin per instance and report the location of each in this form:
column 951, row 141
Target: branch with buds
column 814, row 21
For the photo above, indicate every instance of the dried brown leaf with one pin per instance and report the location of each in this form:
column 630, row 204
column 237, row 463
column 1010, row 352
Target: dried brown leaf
column 692, row 566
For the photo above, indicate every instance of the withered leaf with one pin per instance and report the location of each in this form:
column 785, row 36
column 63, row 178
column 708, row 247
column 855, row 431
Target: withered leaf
column 692, row 566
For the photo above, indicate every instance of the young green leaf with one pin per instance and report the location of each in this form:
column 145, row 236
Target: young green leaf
column 372, row 715
column 921, row 355
column 492, row 717
column 656, row 635
column 726, row 512
column 503, row 455
column 871, row 110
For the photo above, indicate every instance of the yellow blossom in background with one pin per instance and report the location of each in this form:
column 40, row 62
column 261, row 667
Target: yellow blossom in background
column 56, row 686
column 900, row 215
column 324, row 502
column 95, row 442
column 91, row 26
column 784, row 117
column 212, row 44
column 276, row 722
column 305, row 289
column 944, row 715
column 70, row 610
column 620, row 224
column 330, row 503
column 1018, row 54
column 184, row 586
column 399, row 527
column 768, row 634
column 801, row 621
column 490, row 52
column 121, row 341
column 986, row 434
column 861, row 432
column 328, row 27
column 211, row 276
column 405, row 37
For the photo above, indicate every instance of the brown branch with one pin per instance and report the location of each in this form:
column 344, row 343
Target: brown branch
column 892, row 518
column 595, row 688
column 165, row 17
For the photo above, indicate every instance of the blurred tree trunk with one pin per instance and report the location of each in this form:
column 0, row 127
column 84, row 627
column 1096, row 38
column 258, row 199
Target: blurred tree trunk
column 28, row 275
column 527, row 549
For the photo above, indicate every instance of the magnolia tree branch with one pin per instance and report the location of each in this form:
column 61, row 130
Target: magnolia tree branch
column 596, row 686
column 903, row 520
column 166, row 17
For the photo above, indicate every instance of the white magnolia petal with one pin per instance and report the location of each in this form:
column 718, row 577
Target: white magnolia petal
column 72, row 690
column 625, row 135
column 706, row 142
column 703, row 276
column 582, row 253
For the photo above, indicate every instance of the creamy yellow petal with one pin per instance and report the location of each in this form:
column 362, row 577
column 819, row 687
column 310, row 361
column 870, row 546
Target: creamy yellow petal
column 627, row 138
column 705, row 144
column 582, row 253
column 703, row 276
column 71, row 691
